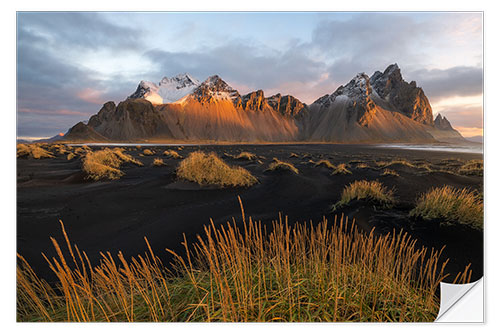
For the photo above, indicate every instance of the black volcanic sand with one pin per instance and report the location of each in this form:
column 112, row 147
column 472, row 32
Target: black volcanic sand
column 149, row 201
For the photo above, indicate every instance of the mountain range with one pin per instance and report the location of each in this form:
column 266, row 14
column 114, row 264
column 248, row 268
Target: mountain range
column 380, row 108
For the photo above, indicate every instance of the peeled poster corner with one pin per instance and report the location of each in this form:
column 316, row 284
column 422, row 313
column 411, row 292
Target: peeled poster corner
column 461, row 303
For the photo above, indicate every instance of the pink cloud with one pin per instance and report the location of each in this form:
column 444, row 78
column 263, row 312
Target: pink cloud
column 64, row 112
column 468, row 132
column 91, row 96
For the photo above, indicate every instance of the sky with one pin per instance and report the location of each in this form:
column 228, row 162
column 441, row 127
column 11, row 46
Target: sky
column 70, row 63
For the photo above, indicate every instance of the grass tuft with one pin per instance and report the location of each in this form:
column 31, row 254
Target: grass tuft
column 245, row 156
column 402, row 162
column 105, row 164
column 341, row 169
column 280, row 165
column 453, row 206
column 158, row 162
column 362, row 166
column 148, row 152
column 472, row 168
column 208, row 168
column 324, row 163
column 32, row 150
column 172, row 154
column 373, row 191
column 389, row 172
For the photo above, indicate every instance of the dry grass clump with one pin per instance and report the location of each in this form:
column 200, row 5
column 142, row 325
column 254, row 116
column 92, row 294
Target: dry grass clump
column 325, row 163
column 105, row 163
column 341, row 169
column 389, row 172
column 280, row 165
column 158, row 162
column 453, row 206
column 148, row 152
column 70, row 156
column 402, row 162
column 60, row 149
column 299, row 273
column 172, row 154
column 293, row 155
column 472, row 168
column 119, row 152
column 208, row 168
column 102, row 164
column 451, row 162
column 373, row 191
column 33, row 150
column 246, row 156
column 362, row 166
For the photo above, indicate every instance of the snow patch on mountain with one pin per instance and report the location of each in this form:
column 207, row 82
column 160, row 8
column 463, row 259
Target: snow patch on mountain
column 168, row 90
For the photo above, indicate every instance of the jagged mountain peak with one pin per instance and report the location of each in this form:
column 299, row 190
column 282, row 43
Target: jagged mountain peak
column 168, row 90
column 180, row 80
column 214, row 88
column 360, row 84
column 387, row 90
column 442, row 123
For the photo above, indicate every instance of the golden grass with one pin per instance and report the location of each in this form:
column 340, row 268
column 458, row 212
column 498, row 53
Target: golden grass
column 341, row 169
column 70, row 156
column 148, row 152
column 82, row 151
column 402, row 162
column 246, row 156
column 208, row 168
column 300, row 273
column 472, row 168
column 373, row 191
column 277, row 164
column 362, row 166
column 453, row 206
column 396, row 162
column 324, row 163
column 389, row 172
column 33, row 150
column 126, row 158
column 293, row 155
column 172, row 154
column 158, row 162
column 105, row 163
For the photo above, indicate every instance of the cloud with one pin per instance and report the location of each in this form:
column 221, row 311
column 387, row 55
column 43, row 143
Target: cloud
column 444, row 83
column 242, row 64
column 81, row 30
column 50, row 85
column 368, row 42
column 64, row 112
column 468, row 132
column 464, row 115
column 91, row 96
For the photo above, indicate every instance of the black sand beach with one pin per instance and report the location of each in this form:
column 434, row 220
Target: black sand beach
column 149, row 201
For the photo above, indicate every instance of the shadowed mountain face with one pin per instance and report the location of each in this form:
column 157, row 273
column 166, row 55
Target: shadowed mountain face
column 381, row 108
